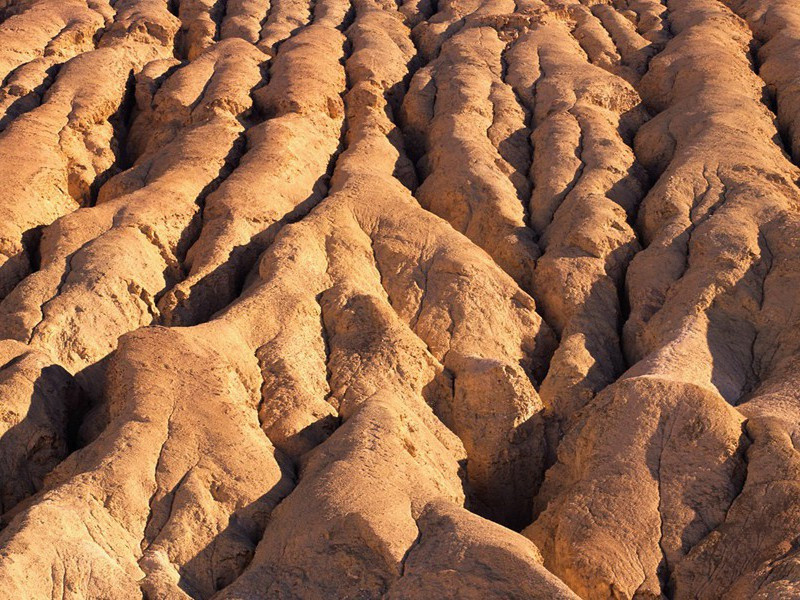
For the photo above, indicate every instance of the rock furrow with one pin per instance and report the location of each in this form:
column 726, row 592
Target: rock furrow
column 705, row 304
column 55, row 155
column 776, row 28
column 281, row 176
column 471, row 127
column 586, row 186
column 127, row 237
column 399, row 299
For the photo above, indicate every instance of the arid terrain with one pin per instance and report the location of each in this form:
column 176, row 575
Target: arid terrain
column 402, row 299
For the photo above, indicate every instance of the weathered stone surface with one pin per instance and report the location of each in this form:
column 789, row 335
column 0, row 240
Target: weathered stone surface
column 370, row 299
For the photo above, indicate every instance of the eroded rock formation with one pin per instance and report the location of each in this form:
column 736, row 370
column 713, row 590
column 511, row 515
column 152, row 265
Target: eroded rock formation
column 399, row 299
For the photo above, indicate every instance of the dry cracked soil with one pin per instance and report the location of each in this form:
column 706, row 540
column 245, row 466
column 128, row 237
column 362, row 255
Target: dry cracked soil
column 402, row 299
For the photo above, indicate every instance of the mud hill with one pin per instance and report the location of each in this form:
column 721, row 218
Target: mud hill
column 399, row 299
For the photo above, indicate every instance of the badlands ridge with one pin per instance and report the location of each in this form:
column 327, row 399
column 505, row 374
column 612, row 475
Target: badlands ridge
column 399, row 299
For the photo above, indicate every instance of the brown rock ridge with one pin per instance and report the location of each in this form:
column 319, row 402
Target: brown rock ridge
column 413, row 299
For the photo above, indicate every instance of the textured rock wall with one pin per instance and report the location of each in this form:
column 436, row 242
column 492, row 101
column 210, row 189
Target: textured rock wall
column 399, row 299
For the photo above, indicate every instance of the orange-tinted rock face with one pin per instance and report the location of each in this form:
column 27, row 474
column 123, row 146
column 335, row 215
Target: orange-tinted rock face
column 408, row 300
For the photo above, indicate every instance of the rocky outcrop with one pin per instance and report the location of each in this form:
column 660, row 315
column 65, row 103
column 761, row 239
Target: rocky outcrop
column 363, row 299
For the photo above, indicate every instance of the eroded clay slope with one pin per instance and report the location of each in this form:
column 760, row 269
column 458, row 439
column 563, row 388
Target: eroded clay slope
column 399, row 299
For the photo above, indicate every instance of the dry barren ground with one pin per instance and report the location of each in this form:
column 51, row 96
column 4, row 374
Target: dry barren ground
column 399, row 299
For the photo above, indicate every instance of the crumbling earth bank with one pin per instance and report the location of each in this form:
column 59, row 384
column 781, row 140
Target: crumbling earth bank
column 399, row 299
